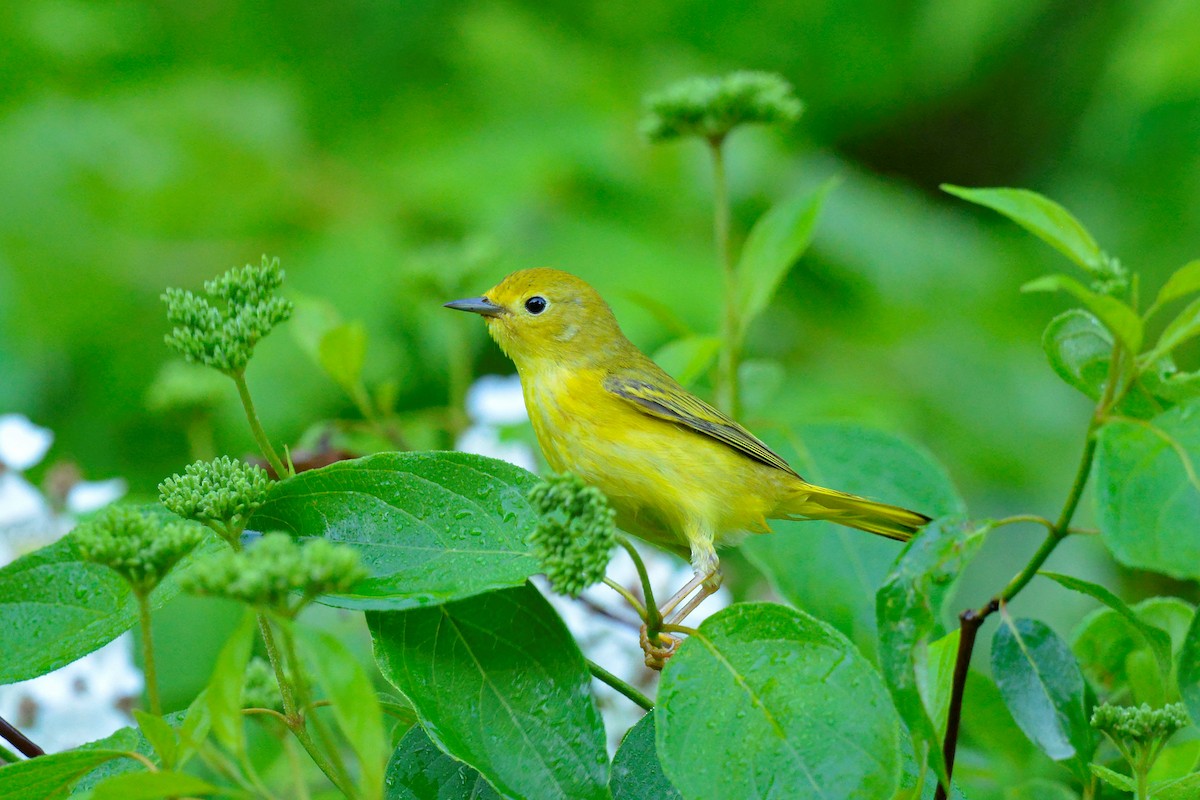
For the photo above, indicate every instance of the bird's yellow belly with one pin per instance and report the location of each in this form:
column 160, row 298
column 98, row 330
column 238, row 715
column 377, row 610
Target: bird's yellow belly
column 668, row 484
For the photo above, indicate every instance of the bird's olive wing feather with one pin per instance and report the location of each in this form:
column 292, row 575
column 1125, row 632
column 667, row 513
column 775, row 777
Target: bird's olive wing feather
column 674, row 404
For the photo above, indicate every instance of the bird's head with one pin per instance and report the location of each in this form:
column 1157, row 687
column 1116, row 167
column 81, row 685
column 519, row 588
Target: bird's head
column 546, row 314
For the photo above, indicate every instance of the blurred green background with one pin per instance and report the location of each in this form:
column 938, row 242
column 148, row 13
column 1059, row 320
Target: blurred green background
column 397, row 155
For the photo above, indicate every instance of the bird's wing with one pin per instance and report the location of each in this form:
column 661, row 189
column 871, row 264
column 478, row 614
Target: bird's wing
column 672, row 403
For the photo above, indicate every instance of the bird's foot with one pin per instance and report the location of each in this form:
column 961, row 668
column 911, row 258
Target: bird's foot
column 658, row 649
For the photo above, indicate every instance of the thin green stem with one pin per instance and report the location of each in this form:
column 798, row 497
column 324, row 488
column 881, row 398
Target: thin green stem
column 256, row 428
column 604, row 676
column 1018, row 518
column 728, row 394
column 143, row 601
column 628, row 595
column 652, row 615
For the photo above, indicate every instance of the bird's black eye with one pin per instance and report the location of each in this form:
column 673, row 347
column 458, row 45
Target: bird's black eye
column 535, row 305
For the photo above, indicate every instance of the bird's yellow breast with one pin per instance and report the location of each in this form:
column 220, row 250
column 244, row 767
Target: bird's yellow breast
column 669, row 484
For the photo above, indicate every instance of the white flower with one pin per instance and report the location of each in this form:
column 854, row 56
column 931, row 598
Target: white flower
column 79, row 703
column 20, row 503
column 22, row 444
column 496, row 400
column 87, row 496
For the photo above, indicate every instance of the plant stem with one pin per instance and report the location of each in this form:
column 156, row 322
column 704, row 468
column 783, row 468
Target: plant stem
column 652, row 615
column 628, row 595
column 143, row 601
column 19, row 740
column 292, row 714
column 604, row 676
column 256, row 428
column 728, row 394
column 971, row 619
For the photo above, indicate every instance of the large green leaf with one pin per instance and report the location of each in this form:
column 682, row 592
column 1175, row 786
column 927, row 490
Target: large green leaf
column 431, row 527
column 1185, row 326
column 1182, row 282
column 908, row 608
column 768, row 702
column 831, row 571
column 50, row 777
column 55, row 607
column 775, row 242
column 354, row 702
column 499, row 683
column 1042, row 217
column 152, row 786
column 1148, row 491
column 418, row 770
column 1189, row 668
column 1119, row 318
column 224, row 692
column 1112, row 651
column 636, row 771
column 1044, row 691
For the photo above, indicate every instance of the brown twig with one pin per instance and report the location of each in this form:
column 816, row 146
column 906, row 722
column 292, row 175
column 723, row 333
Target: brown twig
column 19, row 740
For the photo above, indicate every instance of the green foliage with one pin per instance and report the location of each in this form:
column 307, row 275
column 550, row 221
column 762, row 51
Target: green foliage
column 58, row 607
column 1044, row 690
column 1115, row 654
column 636, row 772
column 225, row 689
column 908, row 608
column 1147, row 491
column 1079, row 349
column 430, row 527
column 278, row 573
column 710, row 108
column 222, row 493
column 152, row 786
column 533, row 730
column 1140, row 724
column 259, row 690
column 575, row 534
column 50, row 777
column 138, row 546
column 222, row 329
column 781, row 679
column 418, row 770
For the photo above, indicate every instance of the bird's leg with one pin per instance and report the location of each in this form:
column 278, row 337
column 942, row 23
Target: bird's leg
column 682, row 594
column 708, row 586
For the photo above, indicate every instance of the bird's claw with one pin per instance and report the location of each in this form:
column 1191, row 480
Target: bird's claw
column 659, row 650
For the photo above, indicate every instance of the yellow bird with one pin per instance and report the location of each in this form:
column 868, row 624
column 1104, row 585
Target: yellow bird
column 680, row 473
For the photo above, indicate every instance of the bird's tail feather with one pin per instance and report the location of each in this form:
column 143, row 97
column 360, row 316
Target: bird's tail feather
column 816, row 502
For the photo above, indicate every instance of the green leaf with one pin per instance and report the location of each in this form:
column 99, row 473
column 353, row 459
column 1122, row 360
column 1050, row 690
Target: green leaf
column 418, row 770
column 1183, row 281
column 1079, row 349
column 1044, row 691
column 688, row 358
column 1188, row 673
column 431, row 527
column 151, row 786
column 766, row 701
column 51, row 776
column 1175, row 761
column 829, row 570
column 775, row 243
column 162, row 737
column 1120, row 319
column 936, row 684
column 1184, row 327
column 1042, row 217
column 1185, row 788
column 194, row 728
column 1148, row 492
column 1041, row 789
column 56, row 608
column 499, row 683
column 342, row 353
column 1157, row 639
column 1113, row 778
column 224, row 690
column 908, row 608
column 355, row 704
column 1111, row 651
column 636, row 771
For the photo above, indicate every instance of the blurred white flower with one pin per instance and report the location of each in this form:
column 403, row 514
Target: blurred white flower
column 22, row 444
column 495, row 401
column 84, row 701
column 20, row 503
column 87, row 496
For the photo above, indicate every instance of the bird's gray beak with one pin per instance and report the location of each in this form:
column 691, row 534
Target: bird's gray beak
column 476, row 305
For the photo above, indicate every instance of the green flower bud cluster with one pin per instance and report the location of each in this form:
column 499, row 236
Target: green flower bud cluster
column 260, row 689
column 135, row 545
column 1110, row 276
column 222, row 330
column 221, row 494
column 709, row 108
column 575, row 533
column 278, row 573
column 1140, row 724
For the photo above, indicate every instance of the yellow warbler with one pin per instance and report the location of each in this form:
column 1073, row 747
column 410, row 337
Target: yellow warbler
column 680, row 474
